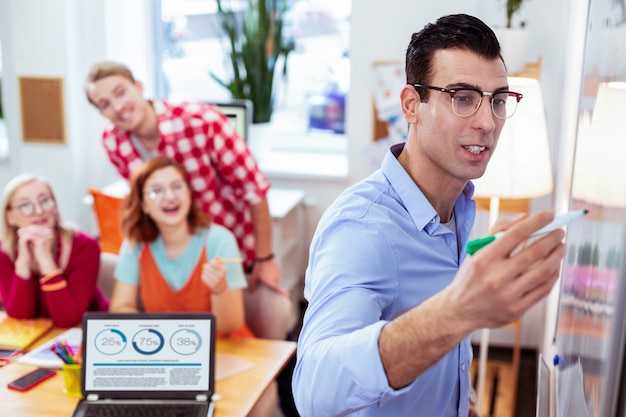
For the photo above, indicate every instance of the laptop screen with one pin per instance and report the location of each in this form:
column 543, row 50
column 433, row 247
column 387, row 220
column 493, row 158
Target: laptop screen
column 159, row 355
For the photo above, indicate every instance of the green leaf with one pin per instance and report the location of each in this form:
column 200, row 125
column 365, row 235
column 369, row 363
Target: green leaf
column 253, row 49
column 512, row 7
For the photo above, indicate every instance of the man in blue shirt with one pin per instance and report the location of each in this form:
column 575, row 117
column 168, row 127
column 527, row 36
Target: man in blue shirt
column 392, row 296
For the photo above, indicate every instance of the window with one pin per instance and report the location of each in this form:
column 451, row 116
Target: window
column 192, row 47
column 4, row 140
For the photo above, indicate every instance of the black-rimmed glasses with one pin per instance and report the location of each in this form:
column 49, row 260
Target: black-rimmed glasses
column 29, row 208
column 466, row 100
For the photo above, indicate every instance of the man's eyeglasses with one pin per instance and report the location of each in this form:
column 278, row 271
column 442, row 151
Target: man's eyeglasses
column 158, row 192
column 466, row 101
column 29, row 208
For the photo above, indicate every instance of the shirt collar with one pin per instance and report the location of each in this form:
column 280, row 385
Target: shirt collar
column 161, row 110
column 412, row 198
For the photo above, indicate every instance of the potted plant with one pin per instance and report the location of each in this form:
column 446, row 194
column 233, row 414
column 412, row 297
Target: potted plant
column 512, row 7
column 513, row 40
column 255, row 46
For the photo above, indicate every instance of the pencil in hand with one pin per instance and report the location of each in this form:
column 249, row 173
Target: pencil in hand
column 228, row 260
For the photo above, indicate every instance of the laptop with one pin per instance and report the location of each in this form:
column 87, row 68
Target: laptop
column 160, row 364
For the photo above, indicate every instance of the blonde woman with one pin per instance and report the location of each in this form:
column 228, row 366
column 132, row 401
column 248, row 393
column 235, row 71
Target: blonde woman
column 47, row 268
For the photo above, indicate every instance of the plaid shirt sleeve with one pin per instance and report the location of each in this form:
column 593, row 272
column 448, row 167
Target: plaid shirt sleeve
column 120, row 151
column 199, row 129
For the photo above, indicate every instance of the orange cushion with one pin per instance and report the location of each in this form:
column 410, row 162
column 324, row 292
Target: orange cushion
column 108, row 211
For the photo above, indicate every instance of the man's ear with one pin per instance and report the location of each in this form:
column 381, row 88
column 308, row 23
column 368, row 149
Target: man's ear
column 139, row 85
column 410, row 100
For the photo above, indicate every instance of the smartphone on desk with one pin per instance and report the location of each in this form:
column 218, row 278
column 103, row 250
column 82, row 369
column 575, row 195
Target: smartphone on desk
column 8, row 354
column 26, row 382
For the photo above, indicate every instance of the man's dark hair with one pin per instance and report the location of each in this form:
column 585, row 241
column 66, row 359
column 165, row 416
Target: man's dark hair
column 453, row 31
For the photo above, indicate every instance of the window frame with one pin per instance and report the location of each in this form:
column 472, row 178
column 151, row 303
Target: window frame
column 277, row 136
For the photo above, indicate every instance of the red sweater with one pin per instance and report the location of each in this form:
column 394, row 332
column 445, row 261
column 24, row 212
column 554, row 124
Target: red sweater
column 24, row 298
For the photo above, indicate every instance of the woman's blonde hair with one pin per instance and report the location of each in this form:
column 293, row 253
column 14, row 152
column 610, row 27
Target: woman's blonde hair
column 9, row 233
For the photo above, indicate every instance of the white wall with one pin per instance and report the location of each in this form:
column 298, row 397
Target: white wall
column 381, row 31
column 45, row 56
column 61, row 38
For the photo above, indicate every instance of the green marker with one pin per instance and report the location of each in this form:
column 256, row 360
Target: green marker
column 557, row 223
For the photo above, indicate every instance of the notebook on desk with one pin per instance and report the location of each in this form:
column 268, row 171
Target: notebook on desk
column 161, row 362
column 19, row 334
column 44, row 356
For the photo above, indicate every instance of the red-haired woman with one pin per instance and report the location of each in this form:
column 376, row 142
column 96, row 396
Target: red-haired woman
column 173, row 258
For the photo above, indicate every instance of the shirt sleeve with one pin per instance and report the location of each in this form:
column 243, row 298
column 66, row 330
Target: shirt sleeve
column 350, row 283
column 18, row 295
column 231, row 156
column 113, row 144
column 120, row 150
column 127, row 268
column 68, row 304
column 221, row 242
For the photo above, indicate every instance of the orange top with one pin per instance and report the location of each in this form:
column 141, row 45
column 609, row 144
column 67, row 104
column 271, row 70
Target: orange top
column 157, row 295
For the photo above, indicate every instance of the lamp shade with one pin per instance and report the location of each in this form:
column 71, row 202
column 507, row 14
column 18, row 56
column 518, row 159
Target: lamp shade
column 600, row 162
column 520, row 166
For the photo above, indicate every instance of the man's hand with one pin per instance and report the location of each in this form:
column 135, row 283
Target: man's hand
column 503, row 224
column 472, row 412
column 497, row 284
column 267, row 273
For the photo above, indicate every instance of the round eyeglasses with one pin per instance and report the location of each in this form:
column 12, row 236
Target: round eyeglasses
column 29, row 208
column 466, row 100
column 158, row 192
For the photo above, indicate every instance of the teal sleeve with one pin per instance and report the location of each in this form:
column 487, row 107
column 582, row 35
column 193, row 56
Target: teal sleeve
column 221, row 242
column 127, row 268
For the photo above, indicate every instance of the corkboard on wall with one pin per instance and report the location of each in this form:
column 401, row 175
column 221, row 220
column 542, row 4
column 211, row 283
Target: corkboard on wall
column 389, row 79
column 42, row 110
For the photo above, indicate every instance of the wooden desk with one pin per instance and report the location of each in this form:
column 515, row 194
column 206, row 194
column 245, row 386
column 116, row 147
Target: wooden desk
column 238, row 392
column 241, row 391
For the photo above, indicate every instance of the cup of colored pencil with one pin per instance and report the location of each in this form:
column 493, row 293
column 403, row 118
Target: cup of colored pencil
column 66, row 353
column 71, row 367
column 71, row 378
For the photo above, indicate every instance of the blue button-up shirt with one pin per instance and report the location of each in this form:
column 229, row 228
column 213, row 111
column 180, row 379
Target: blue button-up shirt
column 378, row 251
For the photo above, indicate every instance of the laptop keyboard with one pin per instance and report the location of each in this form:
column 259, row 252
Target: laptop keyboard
column 143, row 410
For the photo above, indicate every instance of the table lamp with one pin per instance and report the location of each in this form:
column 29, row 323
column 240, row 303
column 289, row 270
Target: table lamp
column 520, row 168
column 602, row 145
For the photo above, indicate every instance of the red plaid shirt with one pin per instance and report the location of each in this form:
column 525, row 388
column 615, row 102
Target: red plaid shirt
column 224, row 175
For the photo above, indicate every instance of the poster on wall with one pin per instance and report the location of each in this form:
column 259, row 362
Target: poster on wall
column 42, row 110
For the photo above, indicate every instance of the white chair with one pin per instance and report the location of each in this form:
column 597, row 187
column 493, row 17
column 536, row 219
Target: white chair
column 268, row 313
column 106, row 281
column 108, row 211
